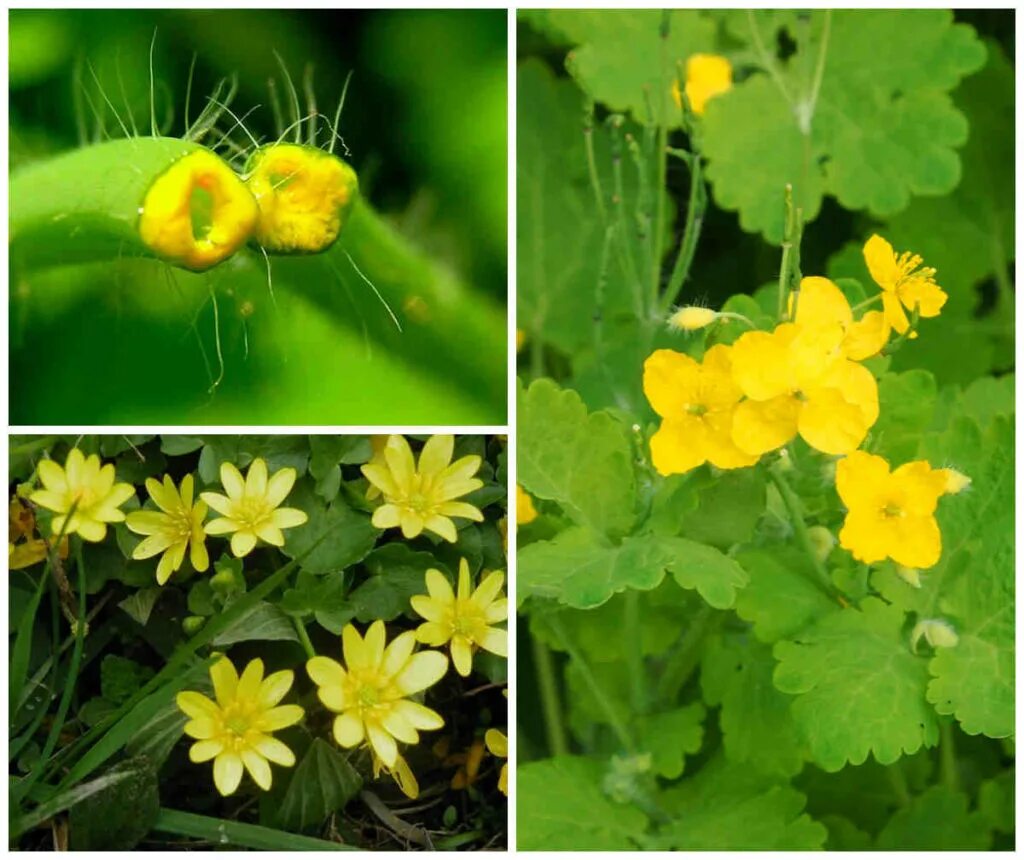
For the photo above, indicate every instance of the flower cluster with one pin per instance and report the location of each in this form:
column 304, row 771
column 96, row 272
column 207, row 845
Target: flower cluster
column 805, row 377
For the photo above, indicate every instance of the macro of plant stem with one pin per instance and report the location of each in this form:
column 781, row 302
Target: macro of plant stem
column 765, row 430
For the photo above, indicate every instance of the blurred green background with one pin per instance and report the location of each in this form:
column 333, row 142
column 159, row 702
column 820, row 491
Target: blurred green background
column 425, row 123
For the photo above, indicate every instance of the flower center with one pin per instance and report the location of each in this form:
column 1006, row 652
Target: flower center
column 467, row 620
column 252, row 511
column 696, row 409
column 892, row 511
column 910, row 269
column 237, row 719
column 85, row 497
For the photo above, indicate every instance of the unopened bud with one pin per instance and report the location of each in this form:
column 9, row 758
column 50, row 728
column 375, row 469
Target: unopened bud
column 692, row 318
column 224, row 582
column 936, row 632
column 822, row 541
column 910, row 575
column 955, row 481
column 192, row 624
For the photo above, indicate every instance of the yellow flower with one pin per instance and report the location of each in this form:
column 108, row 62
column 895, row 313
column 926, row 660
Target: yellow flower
column 464, row 619
column 797, row 380
column 401, row 773
column 250, row 508
column 24, row 548
column 84, row 481
column 905, row 283
column 525, row 511
column 177, row 525
column 497, row 743
column 468, row 765
column 697, row 403
column 418, row 497
column 370, row 693
column 890, row 515
column 377, row 444
column 236, row 730
column 821, row 304
column 707, row 76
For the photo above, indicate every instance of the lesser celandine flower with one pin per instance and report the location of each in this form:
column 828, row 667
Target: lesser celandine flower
column 525, row 511
column 401, row 773
column 464, row 619
column 236, row 730
column 890, row 514
column 250, row 511
column 696, row 402
column 796, row 380
column 497, row 744
column 422, row 495
column 171, row 530
column 87, row 486
column 370, row 692
column 905, row 282
column 707, row 76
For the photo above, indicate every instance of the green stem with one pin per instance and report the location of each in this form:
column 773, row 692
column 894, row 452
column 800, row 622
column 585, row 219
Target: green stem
column 867, row 303
column 684, row 659
column 691, row 234
column 947, row 756
column 595, row 178
column 604, row 701
column 662, row 155
column 300, row 630
column 551, row 705
column 792, row 503
column 635, row 652
column 898, row 780
column 786, row 267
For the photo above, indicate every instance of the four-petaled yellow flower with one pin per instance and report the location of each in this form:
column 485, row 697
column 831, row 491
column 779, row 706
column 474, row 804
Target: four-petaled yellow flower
column 697, row 403
column 797, row 380
column 370, row 693
column 891, row 514
column 905, row 283
column 464, row 619
column 422, row 496
column 236, row 730
column 707, row 76
column 821, row 305
column 525, row 511
column 173, row 529
column 88, row 487
column 497, row 743
column 250, row 511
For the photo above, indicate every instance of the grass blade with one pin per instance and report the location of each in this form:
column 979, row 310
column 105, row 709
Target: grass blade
column 222, row 832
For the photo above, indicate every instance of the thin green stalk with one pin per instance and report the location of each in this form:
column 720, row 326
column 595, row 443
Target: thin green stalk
column 222, row 832
column 898, row 780
column 684, row 659
column 867, row 303
column 300, row 630
column 600, row 694
column 551, row 705
column 691, row 234
column 635, row 652
column 658, row 236
column 947, row 756
column 786, row 267
column 792, row 503
column 595, row 179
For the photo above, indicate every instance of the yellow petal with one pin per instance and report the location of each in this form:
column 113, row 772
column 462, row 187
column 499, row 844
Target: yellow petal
column 671, row 382
column 489, row 588
column 820, row 302
column 436, row 455
column 280, row 486
column 275, row 687
column 419, row 716
column 196, row 705
column 495, row 640
column 242, row 543
column 678, row 445
column 353, row 649
column 394, row 723
column 258, row 769
column 256, row 479
column 759, row 427
column 918, row 542
column 52, row 476
column 427, row 607
column 462, row 655
column 386, row 517
column 225, row 681
column 761, row 363
column 421, row 671
column 273, row 750
column 231, row 480
column 432, row 633
column 881, row 262
column 866, row 337
column 205, row 750
column 227, row 772
column 286, row 518
column 398, row 456
column 397, row 654
column 465, row 585
column 920, row 488
column 325, row 672
column 348, row 730
column 248, row 688
column 383, row 744
column 441, row 526
column 867, row 535
column 862, row 480
column 280, row 717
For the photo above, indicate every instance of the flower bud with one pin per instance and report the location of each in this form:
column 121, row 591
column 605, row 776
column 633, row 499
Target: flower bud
column 692, row 318
column 910, row 575
column 192, row 624
column 822, row 540
column 224, row 581
column 955, row 481
column 936, row 632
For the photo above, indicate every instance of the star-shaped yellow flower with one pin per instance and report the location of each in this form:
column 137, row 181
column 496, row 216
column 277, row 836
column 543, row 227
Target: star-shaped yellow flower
column 87, row 486
column 797, row 380
column 697, row 402
column 236, row 730
column 464, row 619
column 422, row 495
column 891, row 514
column 173, row 529
column 250, row 511
column 370, row 692
column 905, row 283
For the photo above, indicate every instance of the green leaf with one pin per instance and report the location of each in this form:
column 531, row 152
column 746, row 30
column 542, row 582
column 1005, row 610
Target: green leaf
column 174, row 445
column 883, row 127
column 937, row 820
column 324, row 782
column 843, row 835
column 262, row 622
column 325, row 597
column 139, row 605
column 623, row 61
column 758, row 730
column 351, row 536
column 121, row 678
column 906, row 403
column 714, row 575
column 671, row 736
column 728, row 508
column 996, row 802
column 581, row 461
column 561, row 807
column 118, row 817
column 840, row 670
column 782, row 597
column 729, row 807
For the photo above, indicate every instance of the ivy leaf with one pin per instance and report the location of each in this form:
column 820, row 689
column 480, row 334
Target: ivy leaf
column 671, row 736
column 757, row 726
column 323, row 782
column 840, row 670
column 561, row 807
column 729, row 807
column 582, row 461
column 782, row 596
column 937, row 820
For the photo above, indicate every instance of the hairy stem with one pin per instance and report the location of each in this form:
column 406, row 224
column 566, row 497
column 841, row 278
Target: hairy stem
column 792, row 503
column 691, row 234
column 686, row 656
column 947, row 756
column 550, row 701
column 635, row 652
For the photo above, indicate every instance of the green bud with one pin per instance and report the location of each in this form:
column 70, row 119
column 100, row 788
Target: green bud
column 193, row 624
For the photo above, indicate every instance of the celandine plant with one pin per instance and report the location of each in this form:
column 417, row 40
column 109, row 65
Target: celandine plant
column 765, row 534
column 219, row 639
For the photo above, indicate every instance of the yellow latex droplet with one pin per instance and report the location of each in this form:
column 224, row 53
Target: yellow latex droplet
column 304, row 197
column 197, row 213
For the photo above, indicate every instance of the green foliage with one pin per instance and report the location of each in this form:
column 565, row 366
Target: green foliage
column 323, row 783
